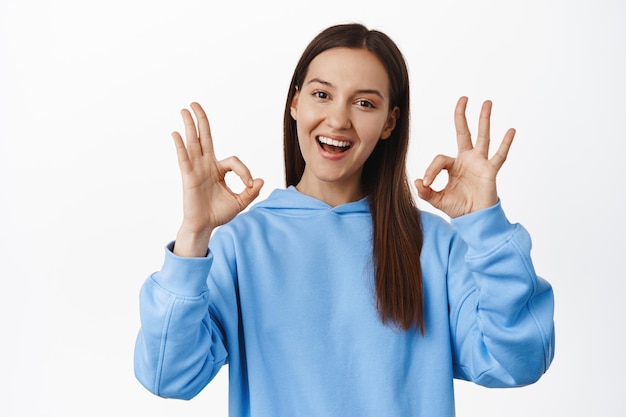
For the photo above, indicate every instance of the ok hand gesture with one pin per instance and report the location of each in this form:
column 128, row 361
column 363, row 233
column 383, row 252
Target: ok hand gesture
column 471, row 175
column 207, row 201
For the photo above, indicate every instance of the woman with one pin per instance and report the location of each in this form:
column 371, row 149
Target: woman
column 336, row 296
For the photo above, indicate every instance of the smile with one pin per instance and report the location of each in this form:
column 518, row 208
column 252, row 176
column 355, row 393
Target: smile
column 332, row 145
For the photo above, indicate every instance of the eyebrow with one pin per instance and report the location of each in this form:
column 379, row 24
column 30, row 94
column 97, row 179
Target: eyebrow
column 362, row 91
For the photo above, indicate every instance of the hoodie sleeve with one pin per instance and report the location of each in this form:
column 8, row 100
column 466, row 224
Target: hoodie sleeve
column 501, row 312
column 180, row 347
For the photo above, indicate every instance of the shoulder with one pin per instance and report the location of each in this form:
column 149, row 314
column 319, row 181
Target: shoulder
column 434, row 224
column 257, row 218
column 439, row 235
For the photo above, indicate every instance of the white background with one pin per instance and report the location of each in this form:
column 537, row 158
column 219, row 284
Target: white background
column 90, row 190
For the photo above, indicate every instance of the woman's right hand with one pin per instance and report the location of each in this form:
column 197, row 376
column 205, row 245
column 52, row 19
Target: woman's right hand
column 207, row 201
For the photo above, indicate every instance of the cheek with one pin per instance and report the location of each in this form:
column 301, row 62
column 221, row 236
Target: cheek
column 304, row 135
column 301, row 128
column 371, row 130
column 306, row 122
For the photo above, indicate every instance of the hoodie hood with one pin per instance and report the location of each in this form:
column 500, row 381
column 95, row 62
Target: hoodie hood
column 292, row 202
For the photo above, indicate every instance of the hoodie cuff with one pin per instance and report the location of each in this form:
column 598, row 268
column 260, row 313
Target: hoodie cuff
column 184, row 276
column 484, row 230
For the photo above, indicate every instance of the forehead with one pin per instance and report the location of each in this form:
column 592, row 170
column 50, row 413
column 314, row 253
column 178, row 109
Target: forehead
column 350, row 68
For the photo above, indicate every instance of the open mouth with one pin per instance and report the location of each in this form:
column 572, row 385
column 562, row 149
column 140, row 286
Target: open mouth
column 332, row 145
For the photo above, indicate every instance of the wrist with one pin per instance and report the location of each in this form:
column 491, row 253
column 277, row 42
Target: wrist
column 192, row 243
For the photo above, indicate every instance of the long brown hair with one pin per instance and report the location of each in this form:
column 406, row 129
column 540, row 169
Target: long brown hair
column 397, row 232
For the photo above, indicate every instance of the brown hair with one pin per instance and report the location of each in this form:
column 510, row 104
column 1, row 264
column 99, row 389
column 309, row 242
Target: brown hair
column 397, row 233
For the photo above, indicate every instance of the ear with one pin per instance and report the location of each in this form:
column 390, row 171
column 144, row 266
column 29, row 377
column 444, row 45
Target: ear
column 391, row 123
column 294, row 104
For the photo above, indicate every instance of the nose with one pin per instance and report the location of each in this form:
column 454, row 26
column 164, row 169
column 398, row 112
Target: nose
column 338, row 116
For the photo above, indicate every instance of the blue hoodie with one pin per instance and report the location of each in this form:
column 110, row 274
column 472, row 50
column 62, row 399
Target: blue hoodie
column 286, row 298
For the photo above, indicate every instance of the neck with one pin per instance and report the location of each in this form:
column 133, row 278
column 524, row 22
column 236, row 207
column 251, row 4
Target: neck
column 331, row 193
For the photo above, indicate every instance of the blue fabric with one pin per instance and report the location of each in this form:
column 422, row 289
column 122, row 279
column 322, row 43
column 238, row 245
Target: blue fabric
column 286, row 298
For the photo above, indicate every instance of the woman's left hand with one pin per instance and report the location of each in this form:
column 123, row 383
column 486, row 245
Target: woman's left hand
column 472, row 174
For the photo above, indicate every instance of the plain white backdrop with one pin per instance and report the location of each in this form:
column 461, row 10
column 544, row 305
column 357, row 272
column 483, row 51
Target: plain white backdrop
column 90, row 189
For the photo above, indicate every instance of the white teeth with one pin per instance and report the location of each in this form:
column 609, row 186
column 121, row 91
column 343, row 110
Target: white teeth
column 333, row 142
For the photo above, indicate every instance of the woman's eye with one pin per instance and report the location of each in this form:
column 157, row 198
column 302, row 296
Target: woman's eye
column 320, row 94
column 365, row 103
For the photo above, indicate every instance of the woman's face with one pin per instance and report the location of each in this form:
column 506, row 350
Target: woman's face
column 341, row 112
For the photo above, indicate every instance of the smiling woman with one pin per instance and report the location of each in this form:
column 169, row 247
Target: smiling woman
column 342, row 110
column 366, row 67
column 336, row 296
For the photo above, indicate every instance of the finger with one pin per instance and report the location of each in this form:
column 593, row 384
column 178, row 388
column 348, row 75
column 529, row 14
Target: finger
column 440, row 163
column 503, row 150
column 181, row 151
column 463, row 136
column 204, row 129
column 235, row 165
column 191, row 134
column 250, row 193
column 428, row 194
column 484, row 127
